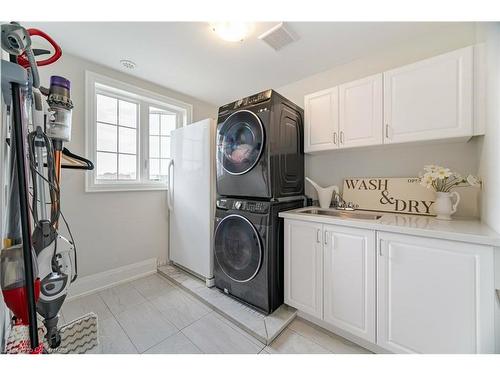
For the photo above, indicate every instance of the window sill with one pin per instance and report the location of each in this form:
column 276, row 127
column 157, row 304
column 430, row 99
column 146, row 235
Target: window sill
column 123, row 188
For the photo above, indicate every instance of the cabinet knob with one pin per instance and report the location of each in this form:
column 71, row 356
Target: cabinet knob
column 387, row 130
column 334, row 138
column 318, row 235
column 342, row 136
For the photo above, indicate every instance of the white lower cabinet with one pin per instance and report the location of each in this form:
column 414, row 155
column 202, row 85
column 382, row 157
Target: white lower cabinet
column 304, row 267
column 330, row 274
column 349, row 280
column 434, row 296
column 400, row 293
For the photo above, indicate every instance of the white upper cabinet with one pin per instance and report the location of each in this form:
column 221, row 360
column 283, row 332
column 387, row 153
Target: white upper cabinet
column 361, row 112
column 303, row 272
column 321, row 120
column 349, row 280
column 434, row 296
column 431, row 99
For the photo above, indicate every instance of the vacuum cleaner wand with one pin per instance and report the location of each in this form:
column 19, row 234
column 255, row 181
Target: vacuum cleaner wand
column 54, row 252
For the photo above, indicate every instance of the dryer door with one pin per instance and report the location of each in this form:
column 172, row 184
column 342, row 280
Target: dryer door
column 238, row 249
column 240, row 141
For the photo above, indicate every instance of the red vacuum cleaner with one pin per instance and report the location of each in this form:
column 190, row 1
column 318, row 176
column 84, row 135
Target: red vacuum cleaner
column 37, row 266
column 18, row 264
column 13, row 283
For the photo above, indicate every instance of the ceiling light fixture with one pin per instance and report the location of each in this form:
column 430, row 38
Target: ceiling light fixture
column 128, row 64
column 232, row 31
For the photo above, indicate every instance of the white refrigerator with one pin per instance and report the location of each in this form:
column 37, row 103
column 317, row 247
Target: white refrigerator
column 191, row 198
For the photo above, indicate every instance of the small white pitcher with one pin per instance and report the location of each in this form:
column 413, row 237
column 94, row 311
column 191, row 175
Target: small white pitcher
column 324, row 194
column 444, row 206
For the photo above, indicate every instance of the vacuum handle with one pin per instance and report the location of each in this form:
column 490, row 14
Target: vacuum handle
column 23, row 59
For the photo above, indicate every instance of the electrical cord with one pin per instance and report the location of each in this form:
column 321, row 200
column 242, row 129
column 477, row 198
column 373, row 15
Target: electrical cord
column 51, row 179
column 54, row 191
column 53, row 188
column 72, row 241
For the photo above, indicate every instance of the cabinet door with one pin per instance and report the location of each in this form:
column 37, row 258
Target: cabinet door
column 321, row 120
column 430, row 99
column 434, row 296
column 360, row 114
column 304, row 267
column 349, row 280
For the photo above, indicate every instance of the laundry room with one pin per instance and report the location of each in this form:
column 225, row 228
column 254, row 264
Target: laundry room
column 308, row 185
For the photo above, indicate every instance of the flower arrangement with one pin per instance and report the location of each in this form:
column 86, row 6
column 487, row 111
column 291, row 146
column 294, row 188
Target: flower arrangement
column 443, row 179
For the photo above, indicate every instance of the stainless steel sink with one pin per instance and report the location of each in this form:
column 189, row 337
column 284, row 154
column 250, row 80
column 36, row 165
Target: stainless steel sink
column 342, row 214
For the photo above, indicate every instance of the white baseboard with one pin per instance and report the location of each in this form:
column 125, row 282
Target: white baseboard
column 103, row 280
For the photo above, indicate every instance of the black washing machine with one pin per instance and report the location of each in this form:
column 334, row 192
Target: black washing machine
column 260, row 150
column 248, row 248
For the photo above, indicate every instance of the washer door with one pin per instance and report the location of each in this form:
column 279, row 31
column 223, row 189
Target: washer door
column 240, row 142
column 238, row 249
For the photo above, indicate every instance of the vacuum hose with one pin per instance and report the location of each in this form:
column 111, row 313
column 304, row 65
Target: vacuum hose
column 33, row 67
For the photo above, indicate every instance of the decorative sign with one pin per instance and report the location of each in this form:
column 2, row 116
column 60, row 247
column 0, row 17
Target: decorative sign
column 399, row 195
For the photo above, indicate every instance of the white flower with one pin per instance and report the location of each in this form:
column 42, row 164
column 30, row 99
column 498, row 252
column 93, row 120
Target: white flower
column 443, row 173
column 429, row 174
column 473, row 180
column 431, row 168
column 427, row 180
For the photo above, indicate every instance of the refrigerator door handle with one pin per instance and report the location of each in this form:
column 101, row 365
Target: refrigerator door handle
column 170, row 187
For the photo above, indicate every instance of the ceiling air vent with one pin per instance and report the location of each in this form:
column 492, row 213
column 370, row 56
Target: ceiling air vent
column 278, row 37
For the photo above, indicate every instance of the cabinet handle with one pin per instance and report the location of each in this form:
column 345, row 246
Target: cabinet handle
column 318, row 235
column 387, row 130
column 342, row 136
column 327, row 239
column 334, row 138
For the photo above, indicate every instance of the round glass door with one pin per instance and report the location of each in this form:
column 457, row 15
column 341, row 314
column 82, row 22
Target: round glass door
column 240, row 142
column 237, row 248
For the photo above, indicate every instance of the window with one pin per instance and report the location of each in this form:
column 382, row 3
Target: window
column 128, row 135
column 161, row 123
column 116, row 139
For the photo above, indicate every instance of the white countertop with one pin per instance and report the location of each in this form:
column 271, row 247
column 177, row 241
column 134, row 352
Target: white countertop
column 464, row 230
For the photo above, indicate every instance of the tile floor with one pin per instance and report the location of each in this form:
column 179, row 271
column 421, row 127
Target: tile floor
column 263, row 327
column 153, row 316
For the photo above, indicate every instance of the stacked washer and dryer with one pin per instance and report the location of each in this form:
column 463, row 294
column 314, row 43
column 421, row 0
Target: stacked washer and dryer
column 260, row 172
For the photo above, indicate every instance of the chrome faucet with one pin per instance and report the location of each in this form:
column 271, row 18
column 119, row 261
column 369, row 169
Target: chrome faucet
column 340, row 204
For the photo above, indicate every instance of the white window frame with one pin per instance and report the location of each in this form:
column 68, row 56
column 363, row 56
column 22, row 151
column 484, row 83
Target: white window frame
column 95, row 84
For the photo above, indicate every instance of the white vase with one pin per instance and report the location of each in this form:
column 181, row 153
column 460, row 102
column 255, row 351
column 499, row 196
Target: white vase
column 444, row 206
column 324, row 194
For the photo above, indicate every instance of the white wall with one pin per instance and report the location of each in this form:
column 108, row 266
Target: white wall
column 396, row 161
column 490, row 147
column 112, row 229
